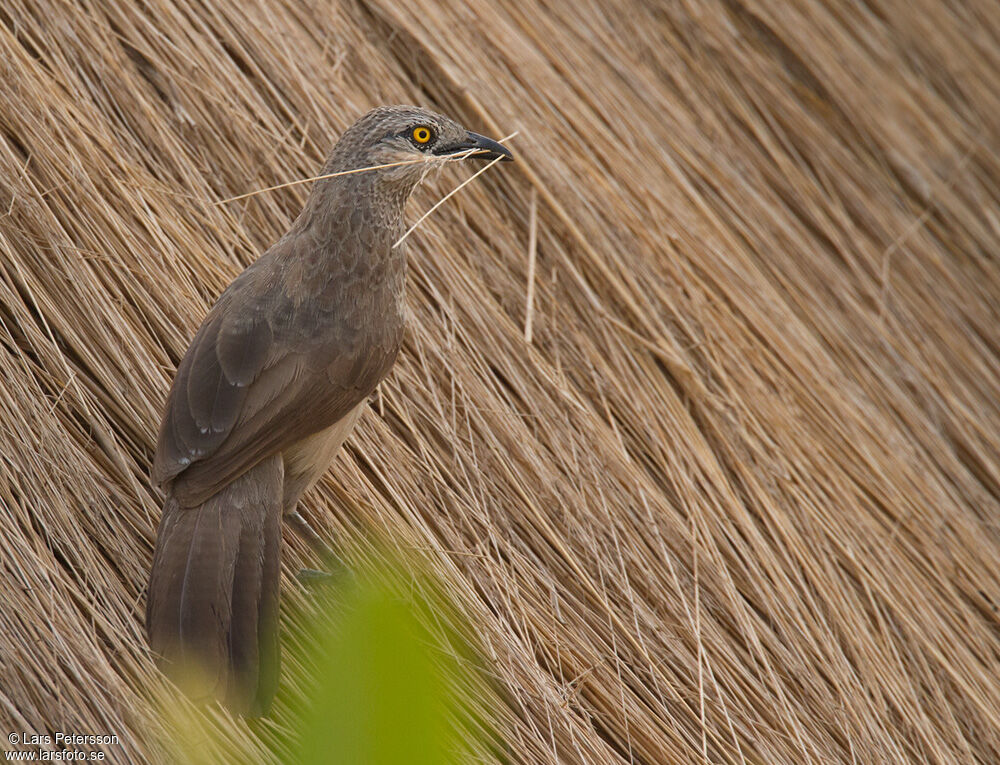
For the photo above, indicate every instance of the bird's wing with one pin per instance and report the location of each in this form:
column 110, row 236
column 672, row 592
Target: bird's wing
column 242, row 393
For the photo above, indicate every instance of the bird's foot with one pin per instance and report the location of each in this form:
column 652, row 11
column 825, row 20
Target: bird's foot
column 310, row 577
column 335, row 568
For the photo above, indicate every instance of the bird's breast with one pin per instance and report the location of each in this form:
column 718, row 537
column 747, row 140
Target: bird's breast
column 307, row 460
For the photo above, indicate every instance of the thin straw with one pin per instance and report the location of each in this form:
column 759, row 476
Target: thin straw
column 445, row 198
column 318, row 178
column 418, row 160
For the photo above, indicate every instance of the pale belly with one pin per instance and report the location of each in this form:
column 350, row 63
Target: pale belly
column 308, row 459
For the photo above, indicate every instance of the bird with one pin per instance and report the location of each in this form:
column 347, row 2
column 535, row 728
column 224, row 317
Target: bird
column 275, row 379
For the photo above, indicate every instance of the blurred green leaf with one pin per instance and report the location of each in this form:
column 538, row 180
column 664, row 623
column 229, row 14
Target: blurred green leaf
column 376, row 673
column 381, row 698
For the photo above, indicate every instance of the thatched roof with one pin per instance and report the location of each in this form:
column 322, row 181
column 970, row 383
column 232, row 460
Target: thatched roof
column 738, row 495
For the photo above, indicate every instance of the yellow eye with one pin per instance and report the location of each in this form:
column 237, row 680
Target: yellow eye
column 421, row 134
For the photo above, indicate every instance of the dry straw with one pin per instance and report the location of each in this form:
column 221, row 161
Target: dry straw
column 736, row 500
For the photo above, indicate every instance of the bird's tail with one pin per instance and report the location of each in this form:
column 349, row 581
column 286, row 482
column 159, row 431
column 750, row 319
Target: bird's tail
column 212, row 609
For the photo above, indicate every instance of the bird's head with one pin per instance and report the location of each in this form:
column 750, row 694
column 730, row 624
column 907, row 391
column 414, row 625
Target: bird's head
column 415, row 138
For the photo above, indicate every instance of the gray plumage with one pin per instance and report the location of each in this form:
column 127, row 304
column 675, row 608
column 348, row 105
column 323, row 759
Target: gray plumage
column 271, row 385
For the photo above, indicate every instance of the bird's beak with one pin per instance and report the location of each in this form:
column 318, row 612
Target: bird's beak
column 479, row 147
